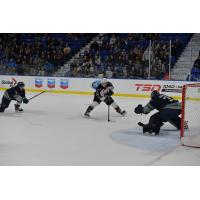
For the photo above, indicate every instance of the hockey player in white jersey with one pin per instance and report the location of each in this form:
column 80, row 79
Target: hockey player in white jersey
column 104, row 91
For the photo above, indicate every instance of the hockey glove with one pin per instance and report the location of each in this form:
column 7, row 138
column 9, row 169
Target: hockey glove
column 139, row 109
column 110, row 93
column 25, row 100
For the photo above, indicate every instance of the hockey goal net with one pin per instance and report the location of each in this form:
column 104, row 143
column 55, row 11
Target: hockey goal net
column 190, row 115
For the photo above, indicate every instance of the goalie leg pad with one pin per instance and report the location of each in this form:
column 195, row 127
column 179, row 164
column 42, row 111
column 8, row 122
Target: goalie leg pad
column 155, row 123
column 171, row 116
column 176, row 122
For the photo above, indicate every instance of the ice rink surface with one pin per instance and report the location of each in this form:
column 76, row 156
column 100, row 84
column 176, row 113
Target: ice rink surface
column 53, row 131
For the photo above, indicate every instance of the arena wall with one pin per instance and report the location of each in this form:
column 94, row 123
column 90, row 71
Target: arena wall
column 82, row 86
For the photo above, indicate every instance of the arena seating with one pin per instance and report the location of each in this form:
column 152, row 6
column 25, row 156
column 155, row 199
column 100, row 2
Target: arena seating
column 119, row 55
column 38, row 54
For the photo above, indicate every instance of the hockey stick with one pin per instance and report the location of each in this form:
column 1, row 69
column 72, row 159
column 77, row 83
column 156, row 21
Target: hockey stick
column 37, row 95
column 108, row 113
column 108, row 96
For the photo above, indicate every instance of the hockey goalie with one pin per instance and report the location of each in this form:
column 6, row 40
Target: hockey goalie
column 168, row 108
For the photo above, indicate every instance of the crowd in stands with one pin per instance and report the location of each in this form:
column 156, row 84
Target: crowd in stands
column 123, row 56
column 38, row 54
column 119, row 55
column 113, row 56
column 160, row 57
column 195, row 71
column 197, row 62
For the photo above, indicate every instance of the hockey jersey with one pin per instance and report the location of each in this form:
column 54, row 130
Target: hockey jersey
column 14, row 93
column 102, row 91
column 160, row 102
column 108, row 86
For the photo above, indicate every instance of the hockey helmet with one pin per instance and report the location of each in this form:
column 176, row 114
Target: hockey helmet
column 154, row 94
column 21, row 84
column 104, row 81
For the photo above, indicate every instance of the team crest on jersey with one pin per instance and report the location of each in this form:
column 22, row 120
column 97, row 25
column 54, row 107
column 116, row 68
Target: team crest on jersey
column 51, row 82
column 64, row 83
column 95, row 84
column 38, row 82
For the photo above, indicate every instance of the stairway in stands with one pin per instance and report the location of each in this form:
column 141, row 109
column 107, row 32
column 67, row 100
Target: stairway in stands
column 185, row 62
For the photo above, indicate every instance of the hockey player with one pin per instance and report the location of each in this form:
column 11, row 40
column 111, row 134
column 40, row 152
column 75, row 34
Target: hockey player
column 16, row 93
column 104, row 91
column 169, row 111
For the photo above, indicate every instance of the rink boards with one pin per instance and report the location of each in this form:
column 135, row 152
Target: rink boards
column 82, row 86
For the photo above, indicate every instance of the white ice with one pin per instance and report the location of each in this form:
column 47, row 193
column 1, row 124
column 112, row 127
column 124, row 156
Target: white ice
column 53, row 131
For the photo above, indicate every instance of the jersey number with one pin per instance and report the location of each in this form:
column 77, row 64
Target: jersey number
column 162, row 96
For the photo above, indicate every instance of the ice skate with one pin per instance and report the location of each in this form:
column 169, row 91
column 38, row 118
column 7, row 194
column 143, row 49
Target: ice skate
column 17, row 108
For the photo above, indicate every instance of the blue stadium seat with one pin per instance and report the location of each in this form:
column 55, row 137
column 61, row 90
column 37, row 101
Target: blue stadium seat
column 195, row 77
column 195, row 71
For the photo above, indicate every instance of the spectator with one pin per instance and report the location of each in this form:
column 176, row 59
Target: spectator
column 166, row 75
column 114, row 55
column 197, row 62
column 31, row 50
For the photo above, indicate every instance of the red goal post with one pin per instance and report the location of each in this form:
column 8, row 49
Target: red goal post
column 190, row 115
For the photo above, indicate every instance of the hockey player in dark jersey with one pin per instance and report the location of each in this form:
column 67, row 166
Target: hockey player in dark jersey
column 169, row 111
column 104, row 91
column 16, row 93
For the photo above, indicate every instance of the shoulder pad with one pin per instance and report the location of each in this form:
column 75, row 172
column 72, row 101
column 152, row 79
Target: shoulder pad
column 95, row 84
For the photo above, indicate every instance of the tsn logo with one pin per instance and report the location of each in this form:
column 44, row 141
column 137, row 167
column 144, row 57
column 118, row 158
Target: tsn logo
column 147, row 87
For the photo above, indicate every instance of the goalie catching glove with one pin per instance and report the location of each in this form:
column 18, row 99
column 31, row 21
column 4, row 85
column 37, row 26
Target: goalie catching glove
column 139, row 109
column 25, row 100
